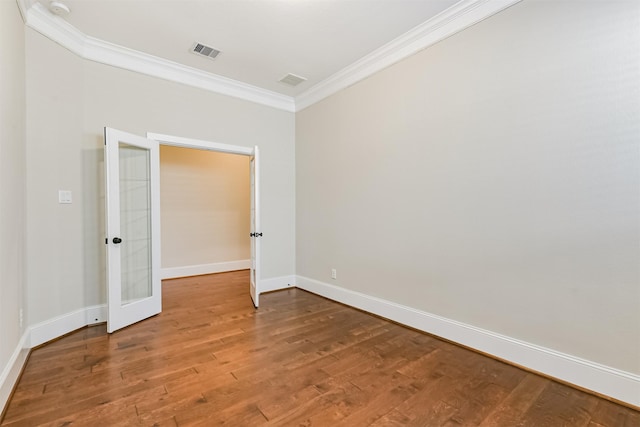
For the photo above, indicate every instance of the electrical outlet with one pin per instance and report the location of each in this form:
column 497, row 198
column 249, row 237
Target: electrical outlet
column 21, row 318
column 334, row 274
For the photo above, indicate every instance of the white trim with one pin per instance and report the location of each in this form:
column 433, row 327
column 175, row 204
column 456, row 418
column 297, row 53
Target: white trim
column 11, row 371
column 277, row 283
column 454, row 19
column 179, row 141
column 23, row 7
column 620, row 385
column 42, row 333
column 60, row 31
column 95, row 314
column 197, row 270
column 50, row 329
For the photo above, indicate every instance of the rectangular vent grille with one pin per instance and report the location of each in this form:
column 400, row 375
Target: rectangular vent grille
column 292, row 80
column 209, row 52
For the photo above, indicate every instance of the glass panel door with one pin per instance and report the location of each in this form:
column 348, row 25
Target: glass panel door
column 133, row 228
column 256, row 234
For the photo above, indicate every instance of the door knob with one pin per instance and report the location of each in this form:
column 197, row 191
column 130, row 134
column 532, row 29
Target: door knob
column 117, row 240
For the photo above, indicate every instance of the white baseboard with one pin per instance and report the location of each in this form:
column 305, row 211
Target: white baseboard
column 620, row 385
column 50, row 329
column 12, row 369
column 58, row 326
column 41, row 333
column 277, row 283
column 197, row 270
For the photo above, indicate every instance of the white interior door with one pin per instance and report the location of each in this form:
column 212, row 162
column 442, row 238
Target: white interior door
column 132, row 166
column 256, row 233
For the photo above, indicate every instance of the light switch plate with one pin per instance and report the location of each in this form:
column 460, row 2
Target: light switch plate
column 64, row 196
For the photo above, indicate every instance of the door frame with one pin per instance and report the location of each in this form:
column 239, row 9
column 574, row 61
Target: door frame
column 179, row 141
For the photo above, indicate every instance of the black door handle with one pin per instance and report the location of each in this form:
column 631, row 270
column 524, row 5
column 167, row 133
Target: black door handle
column 117, row 240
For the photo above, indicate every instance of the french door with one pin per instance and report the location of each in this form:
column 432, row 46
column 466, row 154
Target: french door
column 256, row 233
column 132, row 169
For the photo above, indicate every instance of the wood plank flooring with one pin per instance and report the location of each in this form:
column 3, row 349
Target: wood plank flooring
column 300, row 360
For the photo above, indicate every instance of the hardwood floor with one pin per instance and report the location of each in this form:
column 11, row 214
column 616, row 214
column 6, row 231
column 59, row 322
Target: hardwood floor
column 300, row 360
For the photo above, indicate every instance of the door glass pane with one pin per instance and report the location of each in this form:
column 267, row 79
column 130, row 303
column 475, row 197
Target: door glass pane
column 135, row 223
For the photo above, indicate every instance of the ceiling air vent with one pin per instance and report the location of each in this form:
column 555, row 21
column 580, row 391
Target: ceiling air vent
column 209, row 52
column 292, row 80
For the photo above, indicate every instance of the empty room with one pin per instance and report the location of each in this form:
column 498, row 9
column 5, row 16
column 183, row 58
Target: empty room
column 434, row 215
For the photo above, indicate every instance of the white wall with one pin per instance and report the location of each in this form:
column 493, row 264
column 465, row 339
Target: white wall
column 491, row 179
column 69, row 100
column 205, row 207
column 12, row 198
column 59, row 256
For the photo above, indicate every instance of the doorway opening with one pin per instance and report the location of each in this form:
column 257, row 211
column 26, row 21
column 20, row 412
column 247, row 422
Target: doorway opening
column 254, row 178
column 205, row 212
column 133, row 233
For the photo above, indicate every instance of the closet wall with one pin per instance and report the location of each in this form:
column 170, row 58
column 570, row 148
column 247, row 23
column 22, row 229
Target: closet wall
column 205, row 207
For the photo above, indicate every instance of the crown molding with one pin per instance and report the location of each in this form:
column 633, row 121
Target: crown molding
column 454, row 19
column 37, row 17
